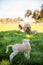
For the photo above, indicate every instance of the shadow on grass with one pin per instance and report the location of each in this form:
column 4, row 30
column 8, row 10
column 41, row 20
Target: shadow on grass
column 13, row 37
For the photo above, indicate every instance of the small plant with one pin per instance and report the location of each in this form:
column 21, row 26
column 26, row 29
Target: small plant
column 4, row 62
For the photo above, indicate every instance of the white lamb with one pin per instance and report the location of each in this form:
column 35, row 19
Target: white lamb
column 24, row 48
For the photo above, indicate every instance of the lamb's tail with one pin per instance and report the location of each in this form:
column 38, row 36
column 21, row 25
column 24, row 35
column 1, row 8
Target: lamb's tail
column 8, row 47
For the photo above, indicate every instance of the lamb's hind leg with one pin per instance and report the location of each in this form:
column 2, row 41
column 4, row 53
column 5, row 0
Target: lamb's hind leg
column 12, row 55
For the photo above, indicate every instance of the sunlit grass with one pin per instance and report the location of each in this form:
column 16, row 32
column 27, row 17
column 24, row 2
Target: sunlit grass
column 38, row 28
column 8, row 27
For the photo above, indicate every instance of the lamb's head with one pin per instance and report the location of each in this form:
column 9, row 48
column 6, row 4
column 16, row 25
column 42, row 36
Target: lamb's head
column 26, row 41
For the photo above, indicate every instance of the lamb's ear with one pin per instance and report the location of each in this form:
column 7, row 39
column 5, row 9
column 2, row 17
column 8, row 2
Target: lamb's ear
column 24, row 40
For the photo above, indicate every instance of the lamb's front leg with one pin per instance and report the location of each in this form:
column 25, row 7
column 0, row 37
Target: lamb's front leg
column 12, row 55
column 27, row 55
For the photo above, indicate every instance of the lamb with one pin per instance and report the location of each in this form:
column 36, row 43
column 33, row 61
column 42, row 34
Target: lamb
column 27, row 28
column 24, row 48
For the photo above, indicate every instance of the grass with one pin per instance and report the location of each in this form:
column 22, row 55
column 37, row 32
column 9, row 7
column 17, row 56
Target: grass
column 16, row 36
column 14, row 26
column 8, row 27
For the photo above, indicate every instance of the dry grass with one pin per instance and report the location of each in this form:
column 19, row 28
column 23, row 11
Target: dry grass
column 14, row 26
column 8, row 27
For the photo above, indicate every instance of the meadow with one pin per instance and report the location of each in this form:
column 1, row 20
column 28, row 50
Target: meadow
column 10, row 34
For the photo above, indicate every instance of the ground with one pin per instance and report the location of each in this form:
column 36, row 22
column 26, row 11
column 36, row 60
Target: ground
column 10, row 34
